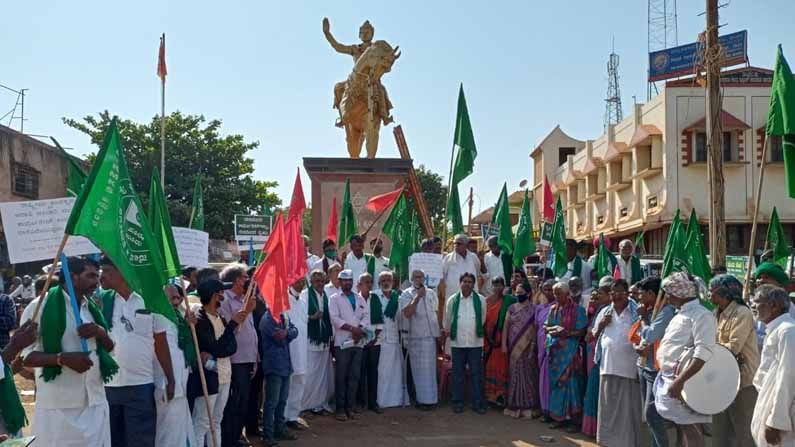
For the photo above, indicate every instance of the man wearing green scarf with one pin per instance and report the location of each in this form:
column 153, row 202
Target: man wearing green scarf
column 368, row 383
column 577, row 267
column 391, row 391
column 464, row 316
column 71, row 407
column 628, row 264
column 319, row 385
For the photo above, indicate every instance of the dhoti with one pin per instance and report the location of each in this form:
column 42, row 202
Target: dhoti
column 319, row 380
column 294, row 397
column 422, row 355
column 174, row 423
column 618, row 412
column 391, row 384
column 72, row 427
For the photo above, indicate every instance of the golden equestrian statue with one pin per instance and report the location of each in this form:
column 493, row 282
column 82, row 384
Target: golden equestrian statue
column 362, row 100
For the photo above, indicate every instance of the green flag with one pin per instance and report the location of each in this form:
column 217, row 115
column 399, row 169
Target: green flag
column 781, row 116
column 454, row 211
column 398, row 228
column 464, row 164
column 347, row 226
column 525, row 244
column 674, row 259
column 416, row 232
column 605, row 260
column 109, row 213
column 160, row 224
column 558, row 242
column 695, row 255
column 502, row 198
column 76, row 179
column 503, row 219
column 639, row 245
column 777, row 241
column 197, row 210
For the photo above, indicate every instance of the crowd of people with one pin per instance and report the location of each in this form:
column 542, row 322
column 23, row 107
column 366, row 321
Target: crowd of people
column 602, row 356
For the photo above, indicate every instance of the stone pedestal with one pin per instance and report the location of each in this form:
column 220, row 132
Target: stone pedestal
column 368, row 178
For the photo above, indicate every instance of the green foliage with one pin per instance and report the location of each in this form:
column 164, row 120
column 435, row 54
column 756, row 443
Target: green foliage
column 193, row 146
column 435, row 194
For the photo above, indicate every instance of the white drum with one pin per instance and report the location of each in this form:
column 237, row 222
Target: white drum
column 714, row 388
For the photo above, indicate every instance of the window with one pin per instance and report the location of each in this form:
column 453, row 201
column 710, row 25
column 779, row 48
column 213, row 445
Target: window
column 24, row 181
column 727, row 146
column 563, row 154
column 701, row 147
column 776, row 149
column 735, row 239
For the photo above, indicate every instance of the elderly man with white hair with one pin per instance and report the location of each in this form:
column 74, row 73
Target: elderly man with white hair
column 319, row 384
column 773, row 422
column 455, row 264
column 693, row 329
column 391, row 370
column 419, row 323
column 628, row 264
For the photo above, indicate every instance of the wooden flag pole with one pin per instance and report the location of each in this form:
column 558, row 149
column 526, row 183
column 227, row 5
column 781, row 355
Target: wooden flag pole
column 48, row 281
column 752, row 246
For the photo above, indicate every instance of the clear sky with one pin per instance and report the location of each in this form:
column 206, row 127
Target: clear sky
column 265, row 69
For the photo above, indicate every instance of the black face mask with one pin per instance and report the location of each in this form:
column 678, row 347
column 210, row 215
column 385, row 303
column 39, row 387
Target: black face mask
column 522, row 298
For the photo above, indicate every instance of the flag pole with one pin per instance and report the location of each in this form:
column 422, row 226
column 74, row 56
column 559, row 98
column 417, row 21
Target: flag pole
column 752, row 246
column 449, row 191
column 50, row 273
column 163, row 125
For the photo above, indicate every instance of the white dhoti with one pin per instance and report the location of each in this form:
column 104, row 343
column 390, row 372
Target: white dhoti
column 319, row 381
column 174, row 423
column 294, row 397
column 672, row 409
column 72, row 427
column 391, row 377
column 619, row 411
column 422, row 357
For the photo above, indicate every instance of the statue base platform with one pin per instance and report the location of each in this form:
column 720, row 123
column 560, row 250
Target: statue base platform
column 369, row 177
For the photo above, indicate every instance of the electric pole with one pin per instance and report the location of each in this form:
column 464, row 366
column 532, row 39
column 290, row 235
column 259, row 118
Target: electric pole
column 713, row 55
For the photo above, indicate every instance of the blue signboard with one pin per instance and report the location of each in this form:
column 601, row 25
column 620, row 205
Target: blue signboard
column 681, row 60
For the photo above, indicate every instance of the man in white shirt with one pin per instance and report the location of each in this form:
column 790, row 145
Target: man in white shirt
column 299, row 349
column 464, row 316
column 329, row 257
column 319, row 382
column 391, row 367
column 356, row 260
column 311, row 259
column 419, row 323
column 71, row 408
column 381, row 262
column 618, row 420
column 492, row 265
column 693, row 328
column 140, row 336
column 455, row 264
column 773, row 423
column 25, row 293
column 577, row 267
column 628, row 264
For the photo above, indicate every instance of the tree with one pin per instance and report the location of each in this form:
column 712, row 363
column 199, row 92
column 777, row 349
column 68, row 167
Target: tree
column 194, row 147
column 435, row 194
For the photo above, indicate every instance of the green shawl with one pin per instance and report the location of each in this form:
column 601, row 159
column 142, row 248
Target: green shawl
column 392, row 305
column 478, row 315
column 376, row 310
column 577, row 267
column 637, row 274
column 507, row 301
column 53, row 326
column 11, row 409
column 319, row 331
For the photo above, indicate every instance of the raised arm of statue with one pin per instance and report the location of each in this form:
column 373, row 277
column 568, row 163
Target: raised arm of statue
column 340, row 48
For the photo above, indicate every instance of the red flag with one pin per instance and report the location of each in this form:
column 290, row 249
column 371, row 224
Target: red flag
column 381, row 202
column 548, row 202
column 271, row 274
column 161, row 59
column 616, row 272
column 297, row 203
column 331, row 229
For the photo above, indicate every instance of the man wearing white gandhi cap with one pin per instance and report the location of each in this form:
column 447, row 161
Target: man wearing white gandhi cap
column 692, row 329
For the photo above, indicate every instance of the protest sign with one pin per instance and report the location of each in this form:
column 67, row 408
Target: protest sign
column 431, row 264
column 192, row 247
column 34, row 229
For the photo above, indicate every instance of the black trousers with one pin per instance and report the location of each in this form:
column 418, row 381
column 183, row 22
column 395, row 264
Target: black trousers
column 237, row 405
column 133, row 415
column 346, row 378
column 254, row 407
column 367, row 395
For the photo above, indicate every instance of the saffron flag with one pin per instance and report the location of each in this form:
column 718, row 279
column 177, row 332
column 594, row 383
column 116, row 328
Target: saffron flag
column 160, row 223
column 197, row 209
column 781, row 116
column 108, row 212
column 347, row 226
column 331, row 228
column 293, row 234
column 271, row 274
column 777, row 241
column 161, row 59
column 559, row 264
column 379, row 203
column 525, row 244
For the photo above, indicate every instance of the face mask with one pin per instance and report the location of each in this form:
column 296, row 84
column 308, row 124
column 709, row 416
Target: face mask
column 522, row 298
column 330, row 254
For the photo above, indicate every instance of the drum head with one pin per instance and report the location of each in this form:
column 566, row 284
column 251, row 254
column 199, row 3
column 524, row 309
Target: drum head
column 714, row 388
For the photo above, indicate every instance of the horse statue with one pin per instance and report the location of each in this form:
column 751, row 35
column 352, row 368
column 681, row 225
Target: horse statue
column 364, row 104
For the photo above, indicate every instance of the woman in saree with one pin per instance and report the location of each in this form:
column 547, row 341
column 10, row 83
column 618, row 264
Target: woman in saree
column 543, row 302
column 496, row 361
column 519, row 344
column 565, row 326
column 599, row 298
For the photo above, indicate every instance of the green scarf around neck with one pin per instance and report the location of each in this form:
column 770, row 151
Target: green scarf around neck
column 11, row 409
column 478, row 315
column 319, row 331
column 185, row 340
column 507, row 301
column 637, row 274
column 577, row 267
column 53, row 326
column 376, row 310
column 392, row 305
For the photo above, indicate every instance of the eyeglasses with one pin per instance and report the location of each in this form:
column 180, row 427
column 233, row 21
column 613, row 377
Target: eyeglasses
column 127, row 324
